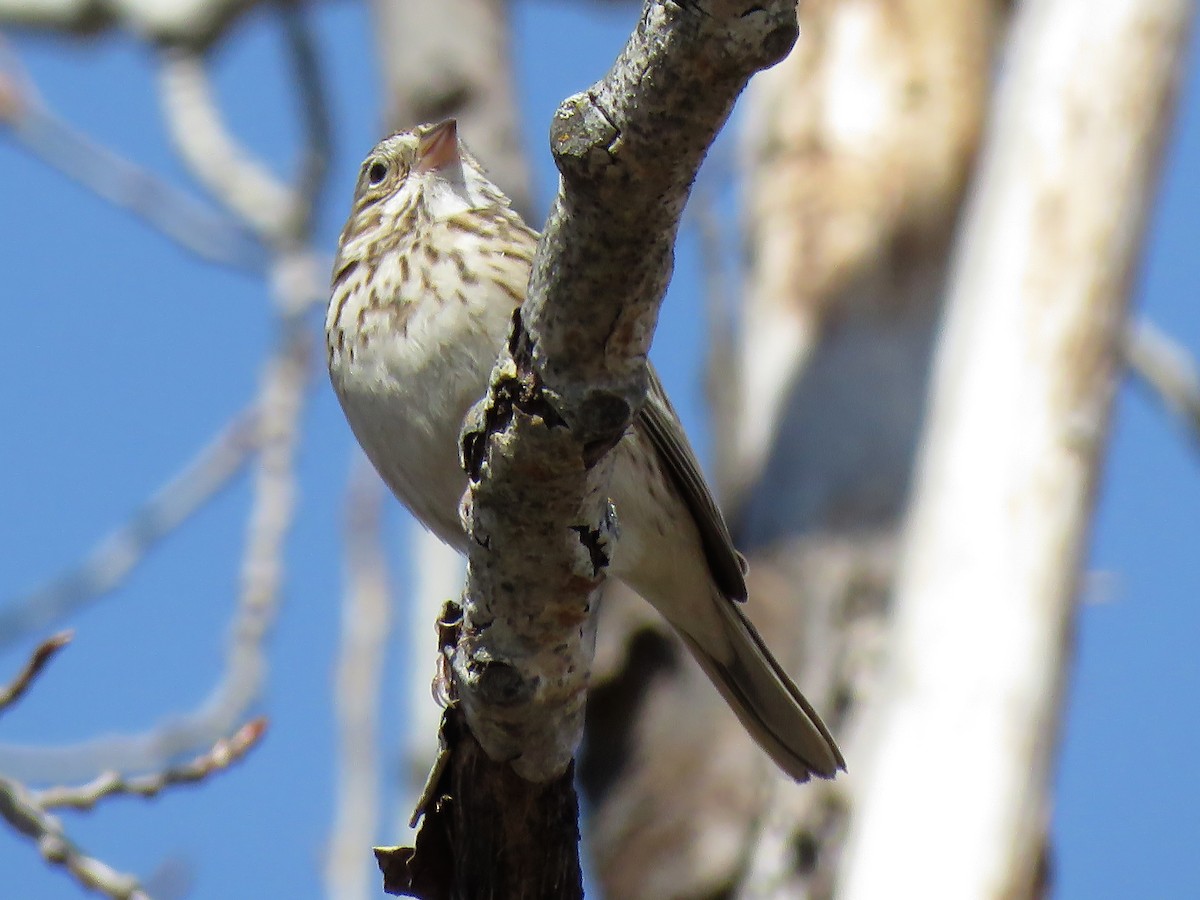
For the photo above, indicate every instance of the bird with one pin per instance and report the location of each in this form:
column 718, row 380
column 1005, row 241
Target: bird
column 430, row 267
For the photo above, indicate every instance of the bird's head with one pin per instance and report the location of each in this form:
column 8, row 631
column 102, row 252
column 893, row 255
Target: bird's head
column 426, row 169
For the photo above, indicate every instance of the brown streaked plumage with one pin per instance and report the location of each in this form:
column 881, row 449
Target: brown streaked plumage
column 430, row 266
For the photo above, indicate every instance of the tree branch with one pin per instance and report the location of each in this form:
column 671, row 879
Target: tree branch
column 192, row 224
column 26, row 812
column 1168, row 370
column 115, row 557
column 42, row 654
column 628, row 150
column 280, row 400
column 366, row 629
column 223, row 754
column 563, row 393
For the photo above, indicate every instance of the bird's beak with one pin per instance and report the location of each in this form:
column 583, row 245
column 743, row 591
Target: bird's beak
column 438, row 147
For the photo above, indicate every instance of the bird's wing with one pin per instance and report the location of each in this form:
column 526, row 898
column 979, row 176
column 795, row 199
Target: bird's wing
column 665, row 432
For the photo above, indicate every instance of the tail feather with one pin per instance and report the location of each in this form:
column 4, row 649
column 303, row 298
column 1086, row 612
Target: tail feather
column 765, row 699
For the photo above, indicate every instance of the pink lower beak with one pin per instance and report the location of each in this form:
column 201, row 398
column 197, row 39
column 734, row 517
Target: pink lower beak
column 438, row 147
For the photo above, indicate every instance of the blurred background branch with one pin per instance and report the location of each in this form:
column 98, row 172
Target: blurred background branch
column 1166, row 367
column 366, row 632
column 115, row 557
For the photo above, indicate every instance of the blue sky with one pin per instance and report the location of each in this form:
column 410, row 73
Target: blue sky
column 124, row 355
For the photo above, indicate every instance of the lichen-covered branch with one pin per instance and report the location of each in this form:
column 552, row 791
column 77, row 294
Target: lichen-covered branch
column 564, row 390
column 574, row 373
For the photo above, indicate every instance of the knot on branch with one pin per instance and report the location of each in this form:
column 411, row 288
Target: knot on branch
column 497, row 682
column 582, row 139
column 745, row 35
column 778, row 35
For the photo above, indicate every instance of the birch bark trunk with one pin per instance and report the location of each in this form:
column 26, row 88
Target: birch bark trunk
column 1027, row 363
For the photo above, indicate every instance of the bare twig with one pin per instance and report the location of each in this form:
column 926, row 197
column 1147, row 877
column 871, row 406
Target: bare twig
column 26, row 811
column 224, row 753
column 366, row 625
column 115, row 557
column 42, row 655
column 18, row 809
column 280, row 400
column 280, row 215
column 1168, row 369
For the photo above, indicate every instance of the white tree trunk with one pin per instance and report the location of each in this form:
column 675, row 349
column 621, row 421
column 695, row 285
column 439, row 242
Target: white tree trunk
column 951, row 801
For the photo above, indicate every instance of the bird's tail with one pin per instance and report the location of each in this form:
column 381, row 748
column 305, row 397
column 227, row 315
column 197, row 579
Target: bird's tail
column 767, row 702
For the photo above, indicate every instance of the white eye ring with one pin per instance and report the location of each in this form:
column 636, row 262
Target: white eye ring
column 376, row 172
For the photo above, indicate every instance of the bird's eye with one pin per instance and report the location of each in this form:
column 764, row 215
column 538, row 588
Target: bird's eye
column 376, row 172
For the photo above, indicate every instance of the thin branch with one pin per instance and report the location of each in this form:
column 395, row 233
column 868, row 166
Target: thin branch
column 281, row 400
column 38, row 660
column 366, row 628
column 1168, row 369
column 314, row 113
column 112, row 560
column 239, row 182
column 224, row 753
column 279, row 214
column 173, row 213
column 18, row 809
column 26, row 811
column 169, row 21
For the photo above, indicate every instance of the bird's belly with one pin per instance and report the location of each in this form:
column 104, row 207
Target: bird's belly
column 405, row 397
